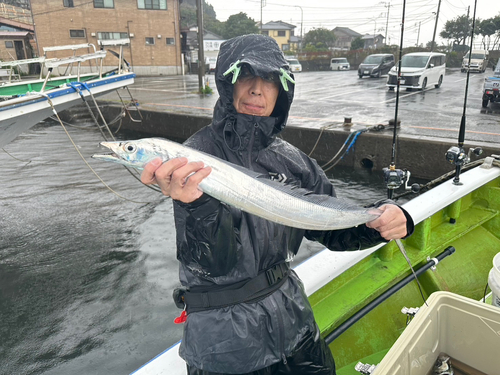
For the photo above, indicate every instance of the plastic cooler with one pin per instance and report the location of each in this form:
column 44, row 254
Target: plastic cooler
column 465, row 329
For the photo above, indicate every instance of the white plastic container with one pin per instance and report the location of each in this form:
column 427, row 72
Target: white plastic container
column 461, row 327
column 494, row 281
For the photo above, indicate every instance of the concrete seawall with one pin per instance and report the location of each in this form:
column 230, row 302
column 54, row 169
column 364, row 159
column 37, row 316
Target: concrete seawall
column 423, row 157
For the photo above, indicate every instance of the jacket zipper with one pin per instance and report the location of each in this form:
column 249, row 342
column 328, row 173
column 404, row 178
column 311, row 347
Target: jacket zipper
column 250, row 145
column 281, row 329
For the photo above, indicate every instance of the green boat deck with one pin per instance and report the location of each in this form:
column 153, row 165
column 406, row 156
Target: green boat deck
column 20, row 88
column 475, row 236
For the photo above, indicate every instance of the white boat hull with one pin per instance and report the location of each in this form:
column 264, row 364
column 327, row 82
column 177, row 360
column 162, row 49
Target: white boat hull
column 20, row 114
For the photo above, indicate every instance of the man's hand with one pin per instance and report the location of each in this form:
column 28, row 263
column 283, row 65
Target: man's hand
column 391, row 224
column 177, row 178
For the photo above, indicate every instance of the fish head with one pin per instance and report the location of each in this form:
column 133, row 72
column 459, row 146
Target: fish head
column 135, row 154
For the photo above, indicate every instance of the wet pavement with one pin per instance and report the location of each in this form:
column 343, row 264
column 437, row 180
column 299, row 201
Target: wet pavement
column 324, row 99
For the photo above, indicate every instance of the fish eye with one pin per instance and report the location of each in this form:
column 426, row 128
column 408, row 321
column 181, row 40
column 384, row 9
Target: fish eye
column 129, row 147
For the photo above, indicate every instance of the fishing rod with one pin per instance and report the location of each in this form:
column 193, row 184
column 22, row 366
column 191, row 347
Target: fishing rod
column 394, row 177
column 456, row 154
column 388, row 293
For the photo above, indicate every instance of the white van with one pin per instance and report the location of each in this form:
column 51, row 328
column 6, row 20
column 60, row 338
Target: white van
column 295, row 65
column 419, row 70
column 478, row 61
column 339, row 63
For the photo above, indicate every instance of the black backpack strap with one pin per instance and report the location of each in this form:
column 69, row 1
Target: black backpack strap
column 252, row 290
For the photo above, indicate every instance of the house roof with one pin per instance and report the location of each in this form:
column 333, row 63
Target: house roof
column 347, row 31
column 371, row 36
column 208, row 35
column 277, row 25
column 16, row 24
column 15, row 34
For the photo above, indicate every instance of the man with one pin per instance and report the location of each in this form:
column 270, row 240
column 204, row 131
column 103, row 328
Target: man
column 246, row 310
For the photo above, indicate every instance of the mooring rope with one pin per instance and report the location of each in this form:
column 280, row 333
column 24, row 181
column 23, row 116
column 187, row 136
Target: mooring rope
column 83, row 158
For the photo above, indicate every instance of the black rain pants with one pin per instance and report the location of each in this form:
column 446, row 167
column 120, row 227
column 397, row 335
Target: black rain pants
column 311, row 356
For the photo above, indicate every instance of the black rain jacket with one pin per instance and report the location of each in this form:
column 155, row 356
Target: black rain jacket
column 218, row 245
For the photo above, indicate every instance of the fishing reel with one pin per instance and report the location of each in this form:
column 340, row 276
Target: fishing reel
column 456, row 155
column 394, row 178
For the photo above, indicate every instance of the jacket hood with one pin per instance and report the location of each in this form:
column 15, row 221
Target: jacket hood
column 264, row 58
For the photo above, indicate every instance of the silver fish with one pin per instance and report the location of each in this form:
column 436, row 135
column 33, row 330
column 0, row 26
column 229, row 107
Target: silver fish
column 247, row 190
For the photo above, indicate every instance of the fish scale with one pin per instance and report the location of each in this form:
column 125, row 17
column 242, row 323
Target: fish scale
column 247, row 190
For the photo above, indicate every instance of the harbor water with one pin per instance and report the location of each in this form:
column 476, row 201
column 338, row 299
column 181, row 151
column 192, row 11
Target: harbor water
column 86, row 275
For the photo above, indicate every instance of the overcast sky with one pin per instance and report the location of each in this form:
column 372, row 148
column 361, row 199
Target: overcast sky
column 363, row 16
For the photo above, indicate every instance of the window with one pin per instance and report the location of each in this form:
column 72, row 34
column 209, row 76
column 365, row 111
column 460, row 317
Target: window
column 170, row 41
column 9, row 44
column 281, row 33
column 111, row 35
column 77, row 33
column 104, row 4
column 265, row 32
column 68, row 3
column 285, row 47
column 150, row 41
column 152, row 4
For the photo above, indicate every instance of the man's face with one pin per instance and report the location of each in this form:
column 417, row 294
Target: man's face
column 253, row 95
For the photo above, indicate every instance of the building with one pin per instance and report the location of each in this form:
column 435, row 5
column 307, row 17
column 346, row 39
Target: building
column 373, row 41
column 344, row 37
column 283, row 33
column 211, row 43
column 152, row 26
column 16, row 33
column 211, row 47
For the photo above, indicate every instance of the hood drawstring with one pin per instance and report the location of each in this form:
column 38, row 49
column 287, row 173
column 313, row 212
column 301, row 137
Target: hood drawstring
column 229, row 128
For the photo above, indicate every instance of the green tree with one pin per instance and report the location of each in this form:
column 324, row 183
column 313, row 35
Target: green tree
column 320, row 38
column 457, row 29
column 357, row 43
column 487, row 28
column 430, row 47
column 189, row 16
column 239, row 24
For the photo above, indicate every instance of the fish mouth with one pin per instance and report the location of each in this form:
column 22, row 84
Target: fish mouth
column 110, row 155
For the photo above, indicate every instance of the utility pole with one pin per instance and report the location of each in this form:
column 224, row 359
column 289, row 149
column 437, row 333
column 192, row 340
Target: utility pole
column 301, row 22
column 418, row 35
column 435, row 26
column 262, row 5
column 201, row 54
column 387, row 22
column 468, row 12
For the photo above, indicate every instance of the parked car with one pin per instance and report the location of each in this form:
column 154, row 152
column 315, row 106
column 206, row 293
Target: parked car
column 295, row 65
column 478, row 61
column 491, row 87
column 418, row 70
column 339, row 63
column 376, row 65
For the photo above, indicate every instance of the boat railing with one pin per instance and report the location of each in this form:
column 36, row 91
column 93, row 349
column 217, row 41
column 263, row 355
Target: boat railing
column 116, row 42
column 17, row 63
column 70, row 47
column 54, row 63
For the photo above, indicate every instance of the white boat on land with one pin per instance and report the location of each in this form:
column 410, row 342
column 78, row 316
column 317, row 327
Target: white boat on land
column 23, row 103
column 343, row 285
